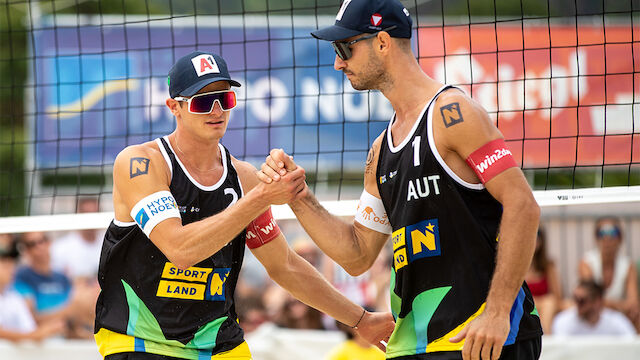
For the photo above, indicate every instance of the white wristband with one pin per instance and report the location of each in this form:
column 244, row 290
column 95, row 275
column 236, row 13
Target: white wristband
column 154, row 209
column 371, row 213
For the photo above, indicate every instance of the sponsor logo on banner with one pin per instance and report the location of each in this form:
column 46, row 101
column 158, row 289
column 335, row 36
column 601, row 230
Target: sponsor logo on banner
column 194, row 283
column 205, row 64
column 416, row 241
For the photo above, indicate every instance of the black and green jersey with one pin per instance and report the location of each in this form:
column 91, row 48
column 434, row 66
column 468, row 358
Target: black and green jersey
column 149, row 305
column 445, row 234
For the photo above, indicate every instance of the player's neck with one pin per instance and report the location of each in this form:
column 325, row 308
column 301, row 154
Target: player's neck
column 198, row 154
column 410, row 91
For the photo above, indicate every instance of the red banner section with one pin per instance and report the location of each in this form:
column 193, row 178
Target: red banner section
column 561, row 95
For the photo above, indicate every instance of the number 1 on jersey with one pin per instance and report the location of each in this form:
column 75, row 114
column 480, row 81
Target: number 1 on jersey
column 416, row 151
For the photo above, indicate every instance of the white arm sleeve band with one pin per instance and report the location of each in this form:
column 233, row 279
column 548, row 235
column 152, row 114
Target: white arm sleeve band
column 154, row 209
column 371, row 213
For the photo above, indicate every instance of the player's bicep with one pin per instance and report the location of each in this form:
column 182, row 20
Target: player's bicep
column 246, row 173
column 371, row 166
column 464, row 125
column 143, row 192
column 509, row 183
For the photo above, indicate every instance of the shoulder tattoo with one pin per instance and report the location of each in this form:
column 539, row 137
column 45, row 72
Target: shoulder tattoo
column 138, row 166
column 369, row 164
column 451, row 114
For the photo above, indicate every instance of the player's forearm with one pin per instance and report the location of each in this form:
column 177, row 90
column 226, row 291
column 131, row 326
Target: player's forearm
column 197, row 241
column 15, row 336
column 306, row 284
column 334, row 236
column 515, row 249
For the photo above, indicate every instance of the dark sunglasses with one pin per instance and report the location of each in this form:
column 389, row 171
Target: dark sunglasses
column 203, row 103
column 343, row 49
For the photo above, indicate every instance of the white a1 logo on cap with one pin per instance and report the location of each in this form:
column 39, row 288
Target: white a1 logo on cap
column 205, row 64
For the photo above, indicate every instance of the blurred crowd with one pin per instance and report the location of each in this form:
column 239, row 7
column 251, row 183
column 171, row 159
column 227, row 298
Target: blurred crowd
column 48, row 288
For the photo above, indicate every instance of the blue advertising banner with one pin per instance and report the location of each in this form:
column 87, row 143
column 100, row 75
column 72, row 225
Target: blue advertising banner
column 101, row 88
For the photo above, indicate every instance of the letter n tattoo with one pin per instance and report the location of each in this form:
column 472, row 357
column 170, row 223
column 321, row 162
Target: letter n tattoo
column 451, row 114
column 138, row 166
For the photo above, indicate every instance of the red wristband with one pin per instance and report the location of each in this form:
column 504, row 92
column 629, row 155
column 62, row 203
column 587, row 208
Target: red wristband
column 491, row 159
column 262, row 230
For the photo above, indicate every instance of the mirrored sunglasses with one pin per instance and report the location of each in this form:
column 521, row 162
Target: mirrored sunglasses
column 204, row 103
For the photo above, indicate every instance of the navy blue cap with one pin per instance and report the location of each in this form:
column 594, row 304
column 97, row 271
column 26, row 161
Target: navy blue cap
column 367, row 16
column 196, row 70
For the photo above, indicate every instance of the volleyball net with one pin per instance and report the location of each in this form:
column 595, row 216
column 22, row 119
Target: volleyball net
column 81, row 80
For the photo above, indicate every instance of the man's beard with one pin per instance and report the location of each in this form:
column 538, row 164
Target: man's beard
column 373, row 77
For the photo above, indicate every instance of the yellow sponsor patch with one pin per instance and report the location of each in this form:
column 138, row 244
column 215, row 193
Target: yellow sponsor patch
column 217, row 284
column 418, row 239
column 191, row 274
column 400, row 258
column 398, row 237
column 181, row 290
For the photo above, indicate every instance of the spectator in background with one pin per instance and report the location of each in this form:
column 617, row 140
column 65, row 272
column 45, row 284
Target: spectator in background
column 296, row 315
column 607, row 265
column 589, row 316
column 354, row 347
column 48, row 292
column 287, row 311
column 77, row 254
column 544, row 283
column 16, row 321
column 251, row 313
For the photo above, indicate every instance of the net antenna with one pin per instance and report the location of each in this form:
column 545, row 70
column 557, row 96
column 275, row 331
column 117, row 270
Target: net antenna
column 83, row 84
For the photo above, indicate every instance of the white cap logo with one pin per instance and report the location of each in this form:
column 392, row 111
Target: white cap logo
column 205, row 64
column 406, row 12
column 342, row 9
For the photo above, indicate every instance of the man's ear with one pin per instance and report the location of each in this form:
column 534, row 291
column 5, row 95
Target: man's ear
column 383, row 42
column 173, row 106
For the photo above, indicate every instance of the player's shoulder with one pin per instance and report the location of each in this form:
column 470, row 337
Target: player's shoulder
column 378, row 141
column 453, row 102
column 139, row 158
column 146, row 150
column 242, row 166
column 246, row 172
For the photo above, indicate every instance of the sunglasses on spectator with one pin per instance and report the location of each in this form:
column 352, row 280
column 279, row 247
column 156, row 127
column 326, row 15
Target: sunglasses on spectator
column 204, row 103
column 343, row 48
column 609, row 231
column 32, row 244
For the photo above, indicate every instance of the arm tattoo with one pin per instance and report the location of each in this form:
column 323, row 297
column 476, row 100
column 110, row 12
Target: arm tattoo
column 138, row 166
column 369, row 165
column 451, row 114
